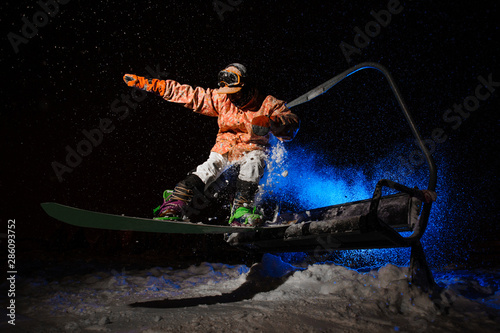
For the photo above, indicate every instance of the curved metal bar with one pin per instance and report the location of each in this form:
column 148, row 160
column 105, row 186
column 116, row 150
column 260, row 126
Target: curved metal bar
column 322, row 88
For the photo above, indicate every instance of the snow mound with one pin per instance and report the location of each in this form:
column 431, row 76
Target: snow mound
column 270, row 296
column 388, row 288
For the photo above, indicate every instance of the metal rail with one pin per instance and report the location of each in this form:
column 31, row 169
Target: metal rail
column 322, row 88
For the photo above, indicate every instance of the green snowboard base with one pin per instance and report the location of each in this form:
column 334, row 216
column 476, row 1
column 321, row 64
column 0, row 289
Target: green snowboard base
column 89, row 219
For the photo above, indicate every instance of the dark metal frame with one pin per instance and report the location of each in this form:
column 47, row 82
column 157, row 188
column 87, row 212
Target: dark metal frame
column 419, row 270
column 322, row 88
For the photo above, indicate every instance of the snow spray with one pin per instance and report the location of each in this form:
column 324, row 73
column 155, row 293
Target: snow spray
column 302, row 178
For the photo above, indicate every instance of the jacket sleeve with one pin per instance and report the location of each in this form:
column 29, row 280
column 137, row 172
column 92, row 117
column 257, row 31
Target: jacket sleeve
column 199, row 100
column 284, row 123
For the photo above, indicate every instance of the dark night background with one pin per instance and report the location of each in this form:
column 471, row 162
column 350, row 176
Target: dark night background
column 66, row 78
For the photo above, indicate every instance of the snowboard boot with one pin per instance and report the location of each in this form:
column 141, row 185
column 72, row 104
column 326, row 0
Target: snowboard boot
column 244, row 213
column 176, row 202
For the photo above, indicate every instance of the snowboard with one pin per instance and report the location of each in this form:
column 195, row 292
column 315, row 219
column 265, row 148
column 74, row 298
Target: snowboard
column 90, row 219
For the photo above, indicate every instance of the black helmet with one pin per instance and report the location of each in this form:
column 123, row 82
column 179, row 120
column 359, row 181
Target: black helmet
column 232, row 78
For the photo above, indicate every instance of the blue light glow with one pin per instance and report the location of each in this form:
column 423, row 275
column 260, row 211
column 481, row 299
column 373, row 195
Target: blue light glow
column 313, row 181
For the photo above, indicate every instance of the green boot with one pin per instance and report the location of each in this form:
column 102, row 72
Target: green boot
column 244, row 212
column 246, row 217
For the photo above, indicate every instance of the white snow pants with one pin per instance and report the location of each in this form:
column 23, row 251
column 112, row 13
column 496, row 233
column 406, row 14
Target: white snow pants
column 251, row 167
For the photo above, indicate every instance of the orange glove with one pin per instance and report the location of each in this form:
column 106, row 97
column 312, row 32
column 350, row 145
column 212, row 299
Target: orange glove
column 155, row 86
column 281, row 125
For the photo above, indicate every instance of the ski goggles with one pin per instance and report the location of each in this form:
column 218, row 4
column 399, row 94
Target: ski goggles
column 229, row 79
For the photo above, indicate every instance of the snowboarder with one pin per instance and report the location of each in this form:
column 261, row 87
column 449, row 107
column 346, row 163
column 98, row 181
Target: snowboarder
column 245, row 119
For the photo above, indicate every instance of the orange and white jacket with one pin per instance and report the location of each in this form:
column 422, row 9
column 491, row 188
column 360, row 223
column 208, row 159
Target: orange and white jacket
column 235, row 136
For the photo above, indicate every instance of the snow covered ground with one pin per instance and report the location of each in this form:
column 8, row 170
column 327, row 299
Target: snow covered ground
column 272, row 296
